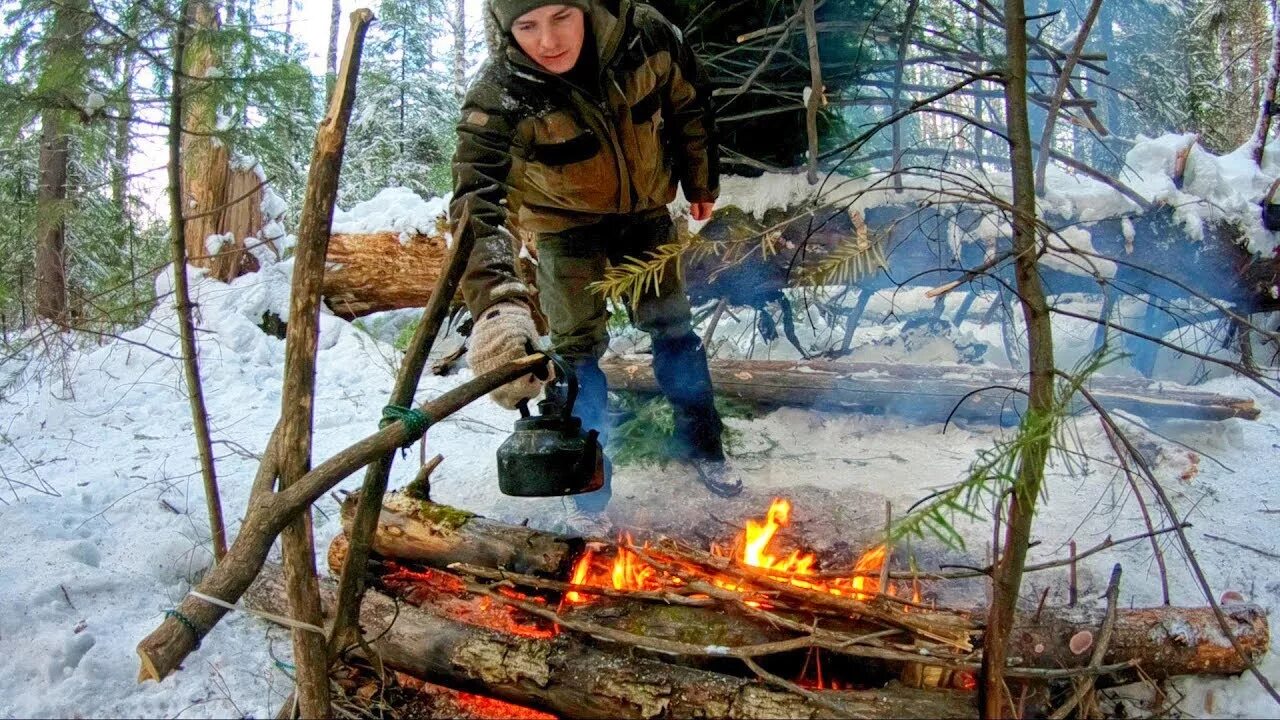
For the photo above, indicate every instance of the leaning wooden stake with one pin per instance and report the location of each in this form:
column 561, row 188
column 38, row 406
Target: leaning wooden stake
column 351, row 585
column 310, row 655
column 164, row 649
column 1268, row 108
column 815, row 87
column 182, row 301
column 1064, row 81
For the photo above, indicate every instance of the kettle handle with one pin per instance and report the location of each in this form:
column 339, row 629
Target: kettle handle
column 565, row 371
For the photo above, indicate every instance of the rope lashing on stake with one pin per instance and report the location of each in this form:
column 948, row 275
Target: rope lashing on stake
column 415, row 421
column 278, row 619
column 186, row 622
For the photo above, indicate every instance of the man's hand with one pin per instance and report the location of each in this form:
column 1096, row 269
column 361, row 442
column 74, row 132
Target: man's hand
column 501, row 334
column 701, row 211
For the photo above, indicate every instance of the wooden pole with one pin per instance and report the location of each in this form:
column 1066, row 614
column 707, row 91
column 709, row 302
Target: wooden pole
column 351, row 585
column 310, row 655
column 815, row 87
column 1064, row 80
column 163, row 650
column 182, row 299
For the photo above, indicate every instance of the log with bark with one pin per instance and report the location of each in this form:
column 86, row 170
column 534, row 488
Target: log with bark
column 372, row 272
column 573, row 678
column 413, row 530
column 922, row 391
column 1163, row 641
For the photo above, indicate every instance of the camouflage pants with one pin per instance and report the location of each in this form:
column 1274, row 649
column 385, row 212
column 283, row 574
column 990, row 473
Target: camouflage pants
column 569, row 261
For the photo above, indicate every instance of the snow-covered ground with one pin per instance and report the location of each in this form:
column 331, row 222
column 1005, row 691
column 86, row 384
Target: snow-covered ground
column 104, row 526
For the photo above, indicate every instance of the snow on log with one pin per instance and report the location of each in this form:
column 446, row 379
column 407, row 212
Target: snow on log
column 921, row 391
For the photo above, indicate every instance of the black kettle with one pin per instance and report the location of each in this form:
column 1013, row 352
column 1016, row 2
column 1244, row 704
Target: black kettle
column 549, row 455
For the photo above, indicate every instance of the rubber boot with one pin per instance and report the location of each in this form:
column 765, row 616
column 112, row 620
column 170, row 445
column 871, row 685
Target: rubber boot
column 591, row 407
column 680, row 366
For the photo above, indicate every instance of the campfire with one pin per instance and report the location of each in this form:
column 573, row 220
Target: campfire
column 754, row 625
column 754, row 547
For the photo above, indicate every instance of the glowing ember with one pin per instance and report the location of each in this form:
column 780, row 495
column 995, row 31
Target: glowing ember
column 449, row 593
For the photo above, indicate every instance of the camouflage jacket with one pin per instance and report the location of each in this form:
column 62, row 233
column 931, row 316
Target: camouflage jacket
column 549, row 156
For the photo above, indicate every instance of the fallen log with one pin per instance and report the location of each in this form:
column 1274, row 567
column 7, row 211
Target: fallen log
column 922, row 391
column 372, row 272
column 572, row 678
column 439, row 535
column 1162, row 641
column 378, row 271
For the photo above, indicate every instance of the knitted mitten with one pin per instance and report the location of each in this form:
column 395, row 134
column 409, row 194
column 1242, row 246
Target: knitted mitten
column 501, row 334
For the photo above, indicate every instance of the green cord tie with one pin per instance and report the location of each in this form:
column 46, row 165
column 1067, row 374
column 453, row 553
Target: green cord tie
column 186, row 622
column 415, row 421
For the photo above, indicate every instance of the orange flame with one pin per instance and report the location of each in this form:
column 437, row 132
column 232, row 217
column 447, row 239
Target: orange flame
column 626, row 571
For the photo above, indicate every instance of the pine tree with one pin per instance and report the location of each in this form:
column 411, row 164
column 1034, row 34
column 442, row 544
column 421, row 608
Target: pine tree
column 402, row 132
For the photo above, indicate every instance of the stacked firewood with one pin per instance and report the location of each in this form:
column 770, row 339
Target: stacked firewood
column 516, row 614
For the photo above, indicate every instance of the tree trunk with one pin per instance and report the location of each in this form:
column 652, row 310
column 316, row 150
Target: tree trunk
column 213, row 193
column 904, row 47
column 120, row 149
column 919, row 391
column 288, row 24
column 297, row 399
column 51, row 269
column 816, row 93
column 331, row 57
column 1010, row 560
column 1268, row 106
column 64, row 70
column 571, row 678
column 460, row 48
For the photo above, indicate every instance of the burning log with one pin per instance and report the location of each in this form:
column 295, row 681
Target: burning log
column 1162, row 641
column 922, row 391
column 572, row 678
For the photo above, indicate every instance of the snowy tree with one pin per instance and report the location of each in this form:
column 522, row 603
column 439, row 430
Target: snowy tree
column 402, row 131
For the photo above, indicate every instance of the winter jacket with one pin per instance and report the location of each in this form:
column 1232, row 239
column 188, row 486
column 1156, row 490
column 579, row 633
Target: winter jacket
column 556, row 156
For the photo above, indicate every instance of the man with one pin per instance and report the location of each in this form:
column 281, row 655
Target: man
column 584, row 120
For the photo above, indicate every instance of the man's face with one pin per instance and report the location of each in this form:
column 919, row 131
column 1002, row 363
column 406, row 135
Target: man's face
column 551, row 35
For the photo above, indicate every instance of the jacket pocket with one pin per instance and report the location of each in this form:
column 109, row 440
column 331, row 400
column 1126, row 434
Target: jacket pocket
column 569, row 169
column 646, row 107
column 567, row 152
column 651, row 164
